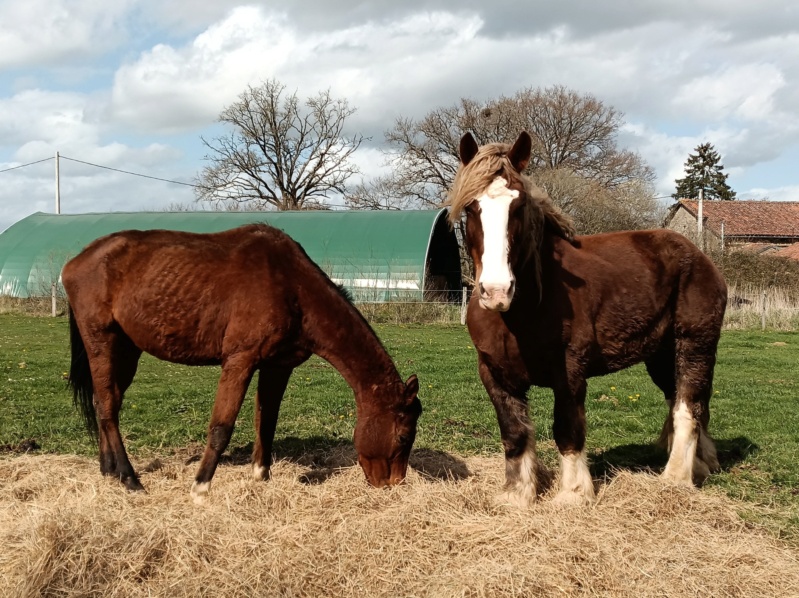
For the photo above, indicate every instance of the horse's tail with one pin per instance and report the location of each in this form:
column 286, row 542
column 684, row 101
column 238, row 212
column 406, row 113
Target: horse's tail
column 80, row 377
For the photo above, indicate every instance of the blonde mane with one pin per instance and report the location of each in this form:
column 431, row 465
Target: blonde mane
column 490, row 162
column 473, row 179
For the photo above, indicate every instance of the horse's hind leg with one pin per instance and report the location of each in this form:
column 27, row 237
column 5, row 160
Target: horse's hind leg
column 693, row 455
column 271, row 387
column 113, row 362
column 524, row 475
column 660, row 367
column 237, row 372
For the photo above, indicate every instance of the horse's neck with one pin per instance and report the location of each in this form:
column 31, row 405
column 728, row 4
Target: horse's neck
column 548, row 252
column 339, row 335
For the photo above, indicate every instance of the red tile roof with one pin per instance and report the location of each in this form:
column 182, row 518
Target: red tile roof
column 791, row 252
column 748, row 218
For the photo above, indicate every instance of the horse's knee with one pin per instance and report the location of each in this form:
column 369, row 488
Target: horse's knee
column 219, row 437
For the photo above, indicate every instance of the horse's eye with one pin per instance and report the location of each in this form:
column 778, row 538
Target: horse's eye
column 403, row 440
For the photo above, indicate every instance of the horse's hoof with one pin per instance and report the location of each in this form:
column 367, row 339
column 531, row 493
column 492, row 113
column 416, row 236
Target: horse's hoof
column 132, row 484
column 570, row 498
column 199, row 492
column 519, row 500
column 260, row 473
column 679, row 478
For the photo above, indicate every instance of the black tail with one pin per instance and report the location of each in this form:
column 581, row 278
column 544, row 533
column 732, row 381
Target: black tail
column 80, row 377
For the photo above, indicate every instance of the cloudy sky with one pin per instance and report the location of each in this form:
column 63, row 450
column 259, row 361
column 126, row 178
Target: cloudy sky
column 133, row 84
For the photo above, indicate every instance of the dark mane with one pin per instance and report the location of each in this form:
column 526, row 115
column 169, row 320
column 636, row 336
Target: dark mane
column 345, row 292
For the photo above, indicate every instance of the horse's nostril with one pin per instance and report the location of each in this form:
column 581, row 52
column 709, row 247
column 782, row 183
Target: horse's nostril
column 512, row 286
column 482, row 288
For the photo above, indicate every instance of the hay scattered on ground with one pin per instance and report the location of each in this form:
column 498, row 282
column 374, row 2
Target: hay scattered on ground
column 66, row 531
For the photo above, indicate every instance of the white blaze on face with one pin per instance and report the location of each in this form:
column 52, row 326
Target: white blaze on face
column 496, row 276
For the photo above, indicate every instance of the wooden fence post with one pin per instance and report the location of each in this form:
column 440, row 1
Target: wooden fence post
column 763, row 312
column 463, row 306
column 52, row 295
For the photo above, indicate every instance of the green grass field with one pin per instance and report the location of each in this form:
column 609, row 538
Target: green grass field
column 754, row 410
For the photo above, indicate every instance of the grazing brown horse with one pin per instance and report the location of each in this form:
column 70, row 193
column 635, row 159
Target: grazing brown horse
column 551, row 309
column 249, row 299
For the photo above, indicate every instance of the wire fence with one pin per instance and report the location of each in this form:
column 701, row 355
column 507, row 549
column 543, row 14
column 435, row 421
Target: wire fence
column 748, row 308
column 766, row 308
column 412, row 307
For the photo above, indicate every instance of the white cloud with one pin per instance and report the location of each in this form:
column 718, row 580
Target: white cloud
column 172, row 89
column 682, row 72
column 56, row 32
column 34, row 124
column 743, row 91
column 787, row 193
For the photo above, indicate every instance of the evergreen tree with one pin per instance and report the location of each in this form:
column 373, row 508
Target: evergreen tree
column 704, row 171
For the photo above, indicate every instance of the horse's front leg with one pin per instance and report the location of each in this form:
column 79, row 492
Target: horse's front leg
column 271, row 387
column 524, row 475
column 236, row 375
column 568, row 428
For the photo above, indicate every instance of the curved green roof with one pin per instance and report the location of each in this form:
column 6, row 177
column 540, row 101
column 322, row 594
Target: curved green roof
column 377, row 255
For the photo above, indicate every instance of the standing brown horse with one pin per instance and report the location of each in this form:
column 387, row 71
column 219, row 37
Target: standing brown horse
column 551, row 309
column 249, row 299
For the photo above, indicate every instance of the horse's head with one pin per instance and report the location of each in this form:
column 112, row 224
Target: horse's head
column 494, row 195
column 385, row 431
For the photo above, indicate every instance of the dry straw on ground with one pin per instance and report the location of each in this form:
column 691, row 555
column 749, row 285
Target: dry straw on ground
column 66, row 531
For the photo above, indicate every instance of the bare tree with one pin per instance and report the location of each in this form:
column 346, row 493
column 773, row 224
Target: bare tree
column 279, row 154
column 381, row 193
column 575, row 154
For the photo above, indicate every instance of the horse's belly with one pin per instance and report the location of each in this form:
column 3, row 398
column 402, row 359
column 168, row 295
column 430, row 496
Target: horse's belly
column 187, row 341
column 180, row 351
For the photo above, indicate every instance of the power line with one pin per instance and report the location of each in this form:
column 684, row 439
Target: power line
column 28, row 164
column 146, row 176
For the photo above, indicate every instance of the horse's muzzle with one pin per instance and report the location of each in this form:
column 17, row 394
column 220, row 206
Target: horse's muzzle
column 496, row 297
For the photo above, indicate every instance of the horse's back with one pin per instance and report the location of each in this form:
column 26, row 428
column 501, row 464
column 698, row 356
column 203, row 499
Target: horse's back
column 658, row 257
column 180, row 295
column 660, row 245
column 122, row 255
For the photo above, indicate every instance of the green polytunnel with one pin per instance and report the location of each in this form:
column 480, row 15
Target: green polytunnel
column 377, row 255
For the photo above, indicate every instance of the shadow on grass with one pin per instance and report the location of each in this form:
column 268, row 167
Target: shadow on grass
column 734, row 450
column 325, row 458
column 631, row 457
column 438, row 465
column 651, row 458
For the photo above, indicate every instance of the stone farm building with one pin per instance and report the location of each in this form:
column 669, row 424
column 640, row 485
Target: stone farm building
column 770, row 227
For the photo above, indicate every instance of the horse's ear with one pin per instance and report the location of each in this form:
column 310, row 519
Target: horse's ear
column 411, row 388
column 468, row 148
column 519, row 154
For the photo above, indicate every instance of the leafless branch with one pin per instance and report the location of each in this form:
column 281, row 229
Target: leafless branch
column 279, row 154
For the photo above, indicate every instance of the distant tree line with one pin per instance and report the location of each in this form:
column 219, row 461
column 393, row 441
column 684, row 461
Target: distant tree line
column 280, row 153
